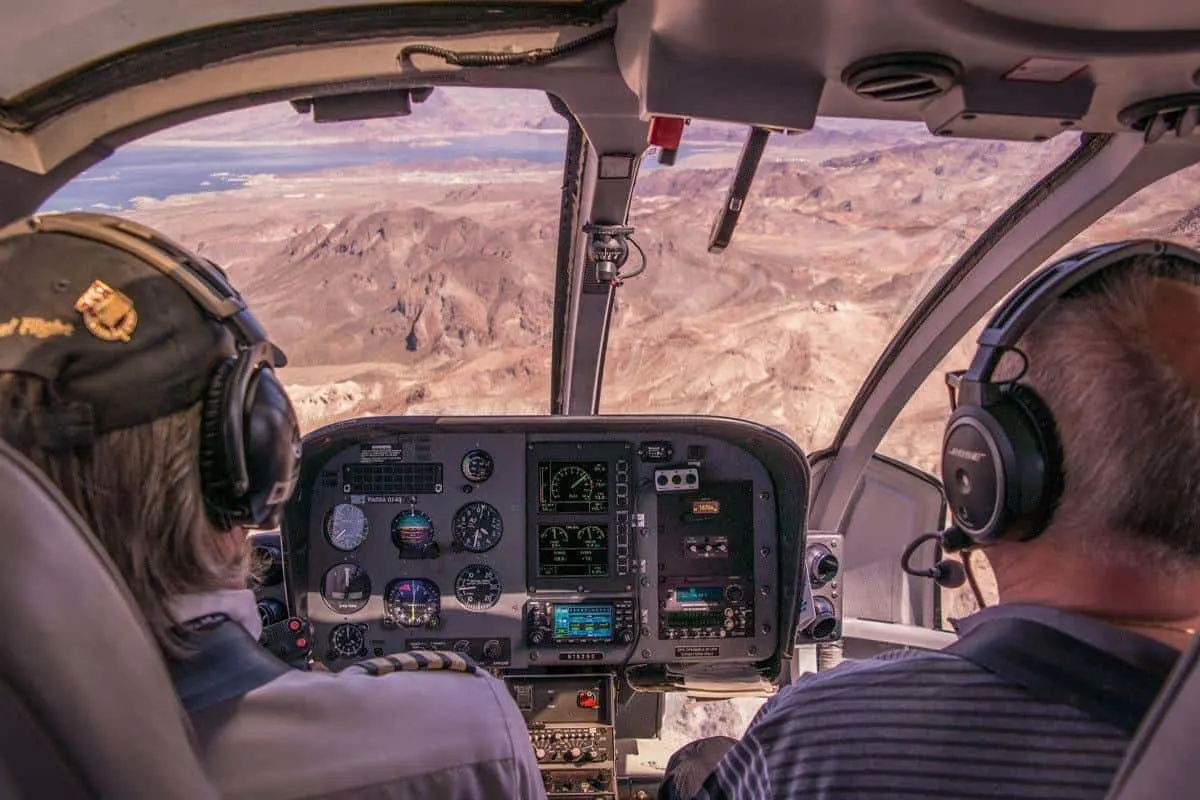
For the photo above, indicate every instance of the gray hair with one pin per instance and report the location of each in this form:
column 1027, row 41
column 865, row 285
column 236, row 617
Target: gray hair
column 139, row 490
column 1126, row 401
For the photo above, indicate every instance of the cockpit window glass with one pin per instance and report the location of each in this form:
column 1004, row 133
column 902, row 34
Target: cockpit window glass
column 844, row 230
column 1166, row 210
column 406, row 266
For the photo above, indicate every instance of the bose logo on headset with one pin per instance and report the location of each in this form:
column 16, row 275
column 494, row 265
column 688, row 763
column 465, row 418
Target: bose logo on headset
column 969, row 455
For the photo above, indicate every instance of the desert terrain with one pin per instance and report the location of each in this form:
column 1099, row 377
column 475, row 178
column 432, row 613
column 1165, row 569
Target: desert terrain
column 427, row 288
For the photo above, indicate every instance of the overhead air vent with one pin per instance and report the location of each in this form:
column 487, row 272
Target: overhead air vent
column 902, row 77
column 1178, row 114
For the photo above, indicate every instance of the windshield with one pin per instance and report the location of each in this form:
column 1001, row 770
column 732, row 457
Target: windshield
column 406, row 266
column 844, row 230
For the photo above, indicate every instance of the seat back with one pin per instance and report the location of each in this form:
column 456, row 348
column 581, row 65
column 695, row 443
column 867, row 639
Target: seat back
column 86, row 706
column 1161, row 760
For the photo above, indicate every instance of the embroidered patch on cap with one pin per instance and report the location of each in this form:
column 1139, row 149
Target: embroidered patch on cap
column 107, row 313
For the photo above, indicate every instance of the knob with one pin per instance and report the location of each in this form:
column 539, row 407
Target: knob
column 492, row 650
column 734, row 593
column 537, row 637
column 625, row 635
column 574, row 754
column 593, row 755
column 540, row 754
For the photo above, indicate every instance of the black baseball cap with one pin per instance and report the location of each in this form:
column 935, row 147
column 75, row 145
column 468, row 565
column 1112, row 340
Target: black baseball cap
column 120, row 342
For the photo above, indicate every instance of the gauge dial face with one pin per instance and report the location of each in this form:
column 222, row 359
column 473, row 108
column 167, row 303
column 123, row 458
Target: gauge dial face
column 412, row 529
column 477, row 587
column 553, row 535
column 591, row 534
column 346, row 588
column 348, row 641
column 478, row 465
column 412, row 602
column 478, row 527
column 572, row 484
column 346, row 526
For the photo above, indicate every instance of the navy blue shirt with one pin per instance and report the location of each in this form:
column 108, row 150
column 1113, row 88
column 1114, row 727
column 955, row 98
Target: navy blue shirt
column 930, row 724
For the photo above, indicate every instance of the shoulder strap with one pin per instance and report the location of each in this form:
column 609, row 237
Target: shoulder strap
column 1058, row 668
column 228, row 663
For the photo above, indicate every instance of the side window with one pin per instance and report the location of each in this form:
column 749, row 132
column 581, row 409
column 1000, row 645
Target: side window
column 1168, row 209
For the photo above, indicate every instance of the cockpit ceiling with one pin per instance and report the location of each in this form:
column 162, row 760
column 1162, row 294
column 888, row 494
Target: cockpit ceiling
column 46, row 41
column 74, row 72
column 1019, row 69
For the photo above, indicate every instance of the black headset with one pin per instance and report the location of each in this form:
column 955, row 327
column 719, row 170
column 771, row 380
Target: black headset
column 250, row 437
column 1001, row 455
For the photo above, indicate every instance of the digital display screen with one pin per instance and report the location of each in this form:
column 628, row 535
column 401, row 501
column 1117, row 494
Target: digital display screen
column 572, row 551
column 695, row 619
column 699, row 594
column 583, row 622
column 573, row 487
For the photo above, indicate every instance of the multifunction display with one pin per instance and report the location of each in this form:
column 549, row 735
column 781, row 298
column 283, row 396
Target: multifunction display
column 573, row 487
column 579, row 623
column 573, row 551
column 579, row 513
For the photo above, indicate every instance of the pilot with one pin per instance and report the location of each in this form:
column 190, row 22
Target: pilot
column 1096, row 557
column 129, row 376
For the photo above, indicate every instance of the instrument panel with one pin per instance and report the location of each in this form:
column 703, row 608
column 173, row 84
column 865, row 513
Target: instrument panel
column 547, row 542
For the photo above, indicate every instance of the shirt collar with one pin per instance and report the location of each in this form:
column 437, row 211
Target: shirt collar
column 1105, row 636
column 239, row 604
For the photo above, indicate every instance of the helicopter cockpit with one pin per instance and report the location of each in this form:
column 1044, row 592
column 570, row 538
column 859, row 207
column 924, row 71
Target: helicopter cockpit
column 696, row 538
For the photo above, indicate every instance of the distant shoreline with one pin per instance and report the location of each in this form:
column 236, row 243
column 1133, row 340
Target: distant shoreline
column 412, row 140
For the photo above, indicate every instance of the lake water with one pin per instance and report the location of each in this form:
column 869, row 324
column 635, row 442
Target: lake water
column 162, row 171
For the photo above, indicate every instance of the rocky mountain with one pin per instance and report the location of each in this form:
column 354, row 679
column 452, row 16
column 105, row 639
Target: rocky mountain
column 404, row 303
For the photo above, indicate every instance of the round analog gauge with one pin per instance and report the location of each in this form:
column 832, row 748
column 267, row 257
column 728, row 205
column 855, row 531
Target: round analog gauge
column 348, row 641
column 477, row 466
column 592, row 534
column 346, row 588
column 572, row 485
column 478, row 527
column 477, row 587
column 346, row 526
column 412, row 602
column 412, row 529
column 553, row 534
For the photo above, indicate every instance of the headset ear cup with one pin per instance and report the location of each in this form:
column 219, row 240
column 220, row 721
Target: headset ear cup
column 1043, row 470
column 272, row 449
column 974, row 473
column 214, row 461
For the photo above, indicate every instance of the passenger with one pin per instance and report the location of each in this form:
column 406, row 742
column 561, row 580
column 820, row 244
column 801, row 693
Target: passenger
column 113, row 381
column 1111, row 585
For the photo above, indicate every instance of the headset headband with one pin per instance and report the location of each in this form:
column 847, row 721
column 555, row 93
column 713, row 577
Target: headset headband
column 1035, row 297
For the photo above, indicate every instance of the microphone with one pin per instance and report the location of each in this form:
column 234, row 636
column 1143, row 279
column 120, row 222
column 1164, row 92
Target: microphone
column 947, row 573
